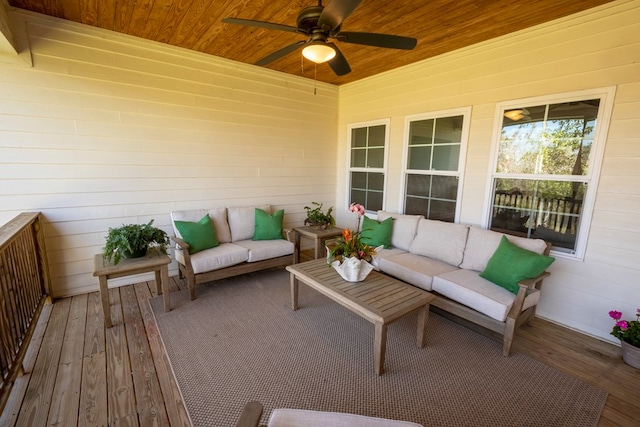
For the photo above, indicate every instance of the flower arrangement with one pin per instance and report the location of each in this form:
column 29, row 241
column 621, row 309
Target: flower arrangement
column 350, row 245
column 628, row 332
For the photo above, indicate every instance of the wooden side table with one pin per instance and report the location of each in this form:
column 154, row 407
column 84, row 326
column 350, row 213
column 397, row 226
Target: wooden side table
column 319, row 238
column 154, row 261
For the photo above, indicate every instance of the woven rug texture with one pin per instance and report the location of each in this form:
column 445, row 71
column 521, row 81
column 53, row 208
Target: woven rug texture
column 240, row 341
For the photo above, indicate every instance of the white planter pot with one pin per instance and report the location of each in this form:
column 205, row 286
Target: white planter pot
column 352, row 269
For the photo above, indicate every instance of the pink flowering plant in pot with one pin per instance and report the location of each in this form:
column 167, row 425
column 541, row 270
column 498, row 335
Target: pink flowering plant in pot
column 627, row 331
column 350, row 245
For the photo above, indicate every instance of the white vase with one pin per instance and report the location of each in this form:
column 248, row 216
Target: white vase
column 352, row 269
column 630, row 354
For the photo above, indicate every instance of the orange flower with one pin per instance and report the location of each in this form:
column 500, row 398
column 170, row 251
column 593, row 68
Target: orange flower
column 346, row 234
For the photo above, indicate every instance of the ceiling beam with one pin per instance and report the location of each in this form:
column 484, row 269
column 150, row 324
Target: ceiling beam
column 7, row 41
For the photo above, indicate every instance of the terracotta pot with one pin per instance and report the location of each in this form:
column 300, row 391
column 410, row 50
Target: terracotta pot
column 630, row 354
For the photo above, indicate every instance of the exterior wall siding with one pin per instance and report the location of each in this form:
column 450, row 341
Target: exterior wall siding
column 594, row 49
column 107, row 129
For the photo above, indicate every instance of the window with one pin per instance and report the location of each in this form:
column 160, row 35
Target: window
column 434, row 162
column 367, row 165
column 547, row 160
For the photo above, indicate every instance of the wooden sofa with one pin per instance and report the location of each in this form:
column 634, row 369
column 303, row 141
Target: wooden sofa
column 447, row 260
column 237, row 253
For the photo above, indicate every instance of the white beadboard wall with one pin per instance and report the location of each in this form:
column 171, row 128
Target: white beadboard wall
column 107, row 129
column 594, row 49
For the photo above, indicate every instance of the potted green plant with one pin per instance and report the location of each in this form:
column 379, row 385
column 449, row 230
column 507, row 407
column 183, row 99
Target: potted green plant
column 132, row 241
column 317, row 218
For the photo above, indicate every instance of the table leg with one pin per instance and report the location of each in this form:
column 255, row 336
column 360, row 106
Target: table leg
column 164, row 277
column 319, row 249
column 296, row 248
column 294, row 291
column 158, row 282
column 104, row 296
column 423, row 317
column 380, row 347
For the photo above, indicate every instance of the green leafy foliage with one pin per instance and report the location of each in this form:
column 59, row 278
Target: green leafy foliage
column 130, row 239
column 316, row 217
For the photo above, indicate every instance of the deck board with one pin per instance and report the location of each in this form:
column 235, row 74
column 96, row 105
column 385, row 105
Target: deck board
column 131, row 358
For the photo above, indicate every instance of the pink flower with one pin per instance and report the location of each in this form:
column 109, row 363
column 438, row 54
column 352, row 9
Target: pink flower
column 617, row 315
column 622, row 324
column 357, row 209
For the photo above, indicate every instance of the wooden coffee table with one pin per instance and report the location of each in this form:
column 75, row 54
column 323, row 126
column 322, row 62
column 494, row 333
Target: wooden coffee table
column 380, row 299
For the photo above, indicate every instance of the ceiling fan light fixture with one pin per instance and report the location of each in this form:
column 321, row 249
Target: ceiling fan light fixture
column 318, row 52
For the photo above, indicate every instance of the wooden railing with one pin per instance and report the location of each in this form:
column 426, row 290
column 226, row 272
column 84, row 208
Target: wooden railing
column 24, row 288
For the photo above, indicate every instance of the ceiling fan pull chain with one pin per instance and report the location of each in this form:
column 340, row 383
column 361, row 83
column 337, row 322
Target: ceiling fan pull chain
column 315, row 79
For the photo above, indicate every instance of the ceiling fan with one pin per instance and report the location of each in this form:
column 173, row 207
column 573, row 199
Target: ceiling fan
column 321, row 23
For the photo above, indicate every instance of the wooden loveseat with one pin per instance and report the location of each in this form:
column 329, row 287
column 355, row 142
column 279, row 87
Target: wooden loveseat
column 239, row 250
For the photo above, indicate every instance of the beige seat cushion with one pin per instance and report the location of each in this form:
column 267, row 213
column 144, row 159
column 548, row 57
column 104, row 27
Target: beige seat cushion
column 414, row 269
column 225, row 255
column 468, row 288
column 266, row 249
column 305, row 418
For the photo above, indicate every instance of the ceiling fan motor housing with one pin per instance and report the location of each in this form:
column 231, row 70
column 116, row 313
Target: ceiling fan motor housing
column 308, row 18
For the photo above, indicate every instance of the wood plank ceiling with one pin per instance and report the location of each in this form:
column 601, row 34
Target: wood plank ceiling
column 440, row 26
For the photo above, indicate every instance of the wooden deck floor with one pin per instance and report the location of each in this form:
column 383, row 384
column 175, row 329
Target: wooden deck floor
column 79, row 373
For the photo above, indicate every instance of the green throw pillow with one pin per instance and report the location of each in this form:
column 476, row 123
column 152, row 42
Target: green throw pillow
column 376, row 233
column 268, row 227
column 199, row 235
column 510, row 264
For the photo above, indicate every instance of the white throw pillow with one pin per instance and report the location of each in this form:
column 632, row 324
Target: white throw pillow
column 444, row 241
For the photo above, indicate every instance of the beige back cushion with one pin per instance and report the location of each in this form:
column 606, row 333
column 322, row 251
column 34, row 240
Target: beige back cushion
column 404, row 228
column 482, row 243
column 218, row 217
column 242, row 221
column 444, row 241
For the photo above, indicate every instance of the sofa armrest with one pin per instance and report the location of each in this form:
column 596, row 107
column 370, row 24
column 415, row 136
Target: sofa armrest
column 527, row 287
column 181, row 244
column 535, row 282
column 289, row 234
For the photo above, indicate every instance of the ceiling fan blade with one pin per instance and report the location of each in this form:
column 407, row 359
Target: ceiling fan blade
column 378, row 40
column 260, row 24
column 336, row 12
column 339, row 63
column 280, row 53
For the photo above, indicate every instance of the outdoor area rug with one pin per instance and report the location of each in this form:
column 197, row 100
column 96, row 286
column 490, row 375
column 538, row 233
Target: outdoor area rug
column 240, row 341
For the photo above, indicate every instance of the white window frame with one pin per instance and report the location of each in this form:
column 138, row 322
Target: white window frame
column 387, row 123
column 466, row 124
column 606, row 96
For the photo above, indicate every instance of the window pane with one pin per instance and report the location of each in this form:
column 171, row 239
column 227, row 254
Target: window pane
column 359, row 180
column 359, row 137
column 444, row 187
column 421, row 132
column 419, row 158
column 376, row 136
column 442, row 211
column 549, row 210
column 551, row 139
column 418, row 185
column 414, row 206
column 448, row 130
column 375, row 158
column 358, row 158
column 445, row 157
column 374, row 201
column 375, row 181
column 359, row 196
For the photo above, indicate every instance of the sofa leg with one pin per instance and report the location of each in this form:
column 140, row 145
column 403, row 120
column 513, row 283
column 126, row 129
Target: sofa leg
column 509, row 331
column 532, row 316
